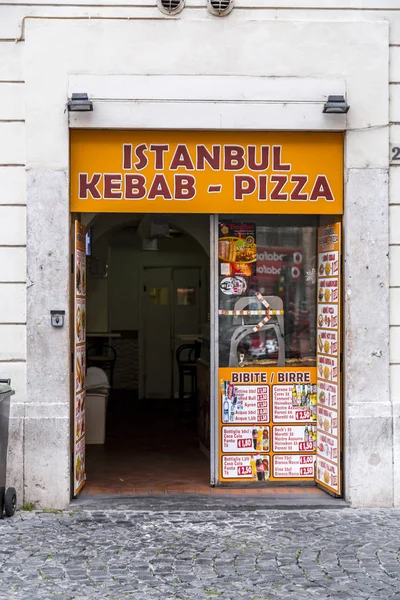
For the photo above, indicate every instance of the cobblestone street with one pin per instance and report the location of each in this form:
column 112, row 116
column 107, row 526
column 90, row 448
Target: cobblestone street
column 90, row 553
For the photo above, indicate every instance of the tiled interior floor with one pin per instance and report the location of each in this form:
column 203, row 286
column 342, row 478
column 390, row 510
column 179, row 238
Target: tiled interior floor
column 148, row 451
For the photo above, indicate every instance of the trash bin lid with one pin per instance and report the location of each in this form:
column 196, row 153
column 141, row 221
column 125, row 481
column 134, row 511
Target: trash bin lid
column 5, row 387
column 96, row 378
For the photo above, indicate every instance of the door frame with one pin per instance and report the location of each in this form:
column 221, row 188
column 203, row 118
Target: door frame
column 142, row 330
column 214, row 345
column 142, row 308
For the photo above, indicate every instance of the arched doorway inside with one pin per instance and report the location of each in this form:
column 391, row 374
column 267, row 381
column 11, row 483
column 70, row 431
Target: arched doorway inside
column 147, row 305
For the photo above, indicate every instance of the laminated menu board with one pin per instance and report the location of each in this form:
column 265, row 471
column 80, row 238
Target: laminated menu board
column 237, row 250
column 268, row 424
column 79, row 291
column 328, row 472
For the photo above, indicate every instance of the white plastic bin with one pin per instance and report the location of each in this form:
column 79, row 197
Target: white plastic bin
column 96, row 405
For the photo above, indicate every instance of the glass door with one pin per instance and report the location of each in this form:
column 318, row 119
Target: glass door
column 266, row 310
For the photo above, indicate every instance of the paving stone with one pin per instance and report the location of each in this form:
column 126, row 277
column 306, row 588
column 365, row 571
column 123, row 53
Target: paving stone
column 118, row 552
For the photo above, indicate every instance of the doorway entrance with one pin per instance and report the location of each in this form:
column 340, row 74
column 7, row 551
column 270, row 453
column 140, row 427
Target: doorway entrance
column 147, row 306
column 155, row 351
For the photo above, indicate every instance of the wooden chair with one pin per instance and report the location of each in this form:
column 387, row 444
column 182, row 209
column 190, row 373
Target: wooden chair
column 186, row 356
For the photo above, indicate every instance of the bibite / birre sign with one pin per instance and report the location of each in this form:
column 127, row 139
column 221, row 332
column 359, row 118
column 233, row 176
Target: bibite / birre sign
column 206, row 172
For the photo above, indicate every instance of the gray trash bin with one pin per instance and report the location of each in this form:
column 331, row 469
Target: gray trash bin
column 8, row 498
column 97, row 388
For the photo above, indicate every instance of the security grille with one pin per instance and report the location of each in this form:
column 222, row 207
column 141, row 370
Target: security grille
column 170, row 7
column 220, row 7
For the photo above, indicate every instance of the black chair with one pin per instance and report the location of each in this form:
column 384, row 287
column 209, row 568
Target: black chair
column 186, row 357
column 106, row 360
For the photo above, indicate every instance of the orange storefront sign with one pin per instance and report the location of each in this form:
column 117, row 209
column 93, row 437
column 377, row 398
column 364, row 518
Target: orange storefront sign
column 206, row 172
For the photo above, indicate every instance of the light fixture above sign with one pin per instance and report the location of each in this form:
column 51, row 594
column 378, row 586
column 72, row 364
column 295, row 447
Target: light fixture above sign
column 336, row 105
column 79, row 103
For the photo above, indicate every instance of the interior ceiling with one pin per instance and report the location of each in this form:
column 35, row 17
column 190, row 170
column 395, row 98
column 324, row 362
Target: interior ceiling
column 113, row 226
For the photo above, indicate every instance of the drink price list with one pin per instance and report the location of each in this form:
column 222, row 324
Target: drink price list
column 245, row 439
column 293, row 465
column 268, row 421
column 245, row 404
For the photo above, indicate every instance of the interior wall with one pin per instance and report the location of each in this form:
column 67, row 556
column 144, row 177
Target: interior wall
column 113, row 302
column 124, row 290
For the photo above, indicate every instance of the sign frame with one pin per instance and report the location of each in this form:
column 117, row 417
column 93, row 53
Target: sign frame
column 224, row 172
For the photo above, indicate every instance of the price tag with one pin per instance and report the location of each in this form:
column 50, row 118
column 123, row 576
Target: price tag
column 306, row 471
column 244, row 470
column 306, row 446
column 303, row 415
column 306, row 460
column 245, row 443
column 262, row 404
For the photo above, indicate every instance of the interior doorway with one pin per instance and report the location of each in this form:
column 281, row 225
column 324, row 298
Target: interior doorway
column 147, row 306
column 172, row 313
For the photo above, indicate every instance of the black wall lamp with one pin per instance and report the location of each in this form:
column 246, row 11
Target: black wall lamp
column 79, row 103
column 336, row 105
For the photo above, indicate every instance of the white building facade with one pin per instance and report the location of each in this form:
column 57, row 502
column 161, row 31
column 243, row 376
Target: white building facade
column 267, row 65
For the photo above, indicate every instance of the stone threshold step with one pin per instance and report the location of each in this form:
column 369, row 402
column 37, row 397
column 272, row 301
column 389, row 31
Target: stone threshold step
column 191, row 502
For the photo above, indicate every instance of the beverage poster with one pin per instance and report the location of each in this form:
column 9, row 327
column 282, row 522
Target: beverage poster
column 245, row 439
column 295, row 466
column 328, row 359
column 237, row 249
column 268, row 423
column 251, row 467
column 294, row 438
column 79, row 287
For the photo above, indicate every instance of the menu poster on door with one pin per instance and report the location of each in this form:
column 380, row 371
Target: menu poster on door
column 80, row 416
column 237, row 249
column 295, row 466
column 79, row 355
column 253, row 467
column 294, row 438
column 328, row 358
column 245, row 403
column 295, row 403
column 80, row 323
column 245, row 439
column 267, row 413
